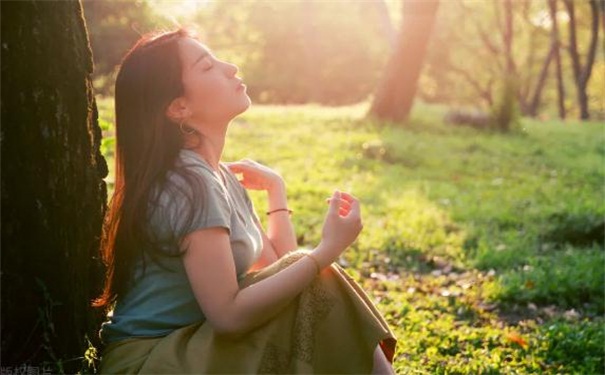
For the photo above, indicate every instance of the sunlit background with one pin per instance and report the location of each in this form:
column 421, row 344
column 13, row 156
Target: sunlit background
column 472, row 132
column 484, row 244
column 335, row 52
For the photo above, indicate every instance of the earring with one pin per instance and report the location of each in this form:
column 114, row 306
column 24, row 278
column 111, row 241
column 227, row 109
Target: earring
column 183, row 128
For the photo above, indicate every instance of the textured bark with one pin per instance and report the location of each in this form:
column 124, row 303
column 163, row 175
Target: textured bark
column 397, row 89
column 53, row 193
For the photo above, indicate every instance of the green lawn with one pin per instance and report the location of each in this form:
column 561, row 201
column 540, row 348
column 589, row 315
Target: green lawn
column 484, row 251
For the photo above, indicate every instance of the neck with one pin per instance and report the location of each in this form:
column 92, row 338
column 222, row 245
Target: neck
column 210, row 146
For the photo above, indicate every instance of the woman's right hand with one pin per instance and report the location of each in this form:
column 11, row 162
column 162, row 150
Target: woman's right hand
column 341, row 227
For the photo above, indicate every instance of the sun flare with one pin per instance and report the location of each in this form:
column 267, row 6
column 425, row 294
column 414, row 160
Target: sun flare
column 178, row 8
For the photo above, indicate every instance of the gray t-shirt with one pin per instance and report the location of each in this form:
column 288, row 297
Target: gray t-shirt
column 161, row 300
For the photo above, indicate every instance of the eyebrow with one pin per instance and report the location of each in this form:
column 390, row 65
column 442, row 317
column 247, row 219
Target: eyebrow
column 204, row 54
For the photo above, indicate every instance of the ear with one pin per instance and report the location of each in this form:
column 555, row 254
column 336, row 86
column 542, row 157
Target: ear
column 177, row 110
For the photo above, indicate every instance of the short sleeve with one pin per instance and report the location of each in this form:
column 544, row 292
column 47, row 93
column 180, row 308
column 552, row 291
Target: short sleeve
column 248, row 201
column 188, row 201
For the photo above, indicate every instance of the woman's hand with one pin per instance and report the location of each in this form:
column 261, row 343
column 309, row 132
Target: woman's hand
column 341, row 227
column 256, row 176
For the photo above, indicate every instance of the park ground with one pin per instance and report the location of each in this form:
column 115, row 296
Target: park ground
column 484, row 251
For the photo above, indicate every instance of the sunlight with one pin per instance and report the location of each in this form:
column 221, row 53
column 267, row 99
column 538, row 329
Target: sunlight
column 178, row 8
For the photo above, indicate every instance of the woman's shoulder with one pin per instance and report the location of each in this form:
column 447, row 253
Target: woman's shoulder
column 191, row 159
column 189, row 176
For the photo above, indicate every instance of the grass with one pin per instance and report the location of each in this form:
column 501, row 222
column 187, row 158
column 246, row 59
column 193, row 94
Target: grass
column 483, row 250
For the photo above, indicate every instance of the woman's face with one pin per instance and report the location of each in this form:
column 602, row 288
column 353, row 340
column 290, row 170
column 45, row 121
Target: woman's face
column 213, row 93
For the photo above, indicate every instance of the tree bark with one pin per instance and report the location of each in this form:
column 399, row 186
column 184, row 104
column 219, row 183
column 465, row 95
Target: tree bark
column 53, row 193
column 395, row 94
column 552, row 6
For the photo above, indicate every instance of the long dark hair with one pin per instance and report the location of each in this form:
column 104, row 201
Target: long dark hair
column 147, row 146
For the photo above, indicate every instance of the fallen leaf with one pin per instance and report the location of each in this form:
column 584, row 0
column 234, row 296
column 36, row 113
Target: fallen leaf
column 516, row 338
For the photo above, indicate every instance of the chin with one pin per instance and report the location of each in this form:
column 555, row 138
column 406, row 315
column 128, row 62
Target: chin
column 246, row 103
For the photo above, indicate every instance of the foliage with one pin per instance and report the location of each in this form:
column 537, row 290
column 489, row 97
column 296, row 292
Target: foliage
column 457, row 248
column 287, row 52
column 335, row 52
column 113, row 27
column 567, row 279
column 466, row 58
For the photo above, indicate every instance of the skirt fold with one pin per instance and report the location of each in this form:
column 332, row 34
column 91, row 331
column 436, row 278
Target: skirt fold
column 331, row 327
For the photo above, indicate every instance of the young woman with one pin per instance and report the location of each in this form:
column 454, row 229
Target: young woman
column 194, row 284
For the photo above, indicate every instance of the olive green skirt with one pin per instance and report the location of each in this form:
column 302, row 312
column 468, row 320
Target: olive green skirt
column 332, row 326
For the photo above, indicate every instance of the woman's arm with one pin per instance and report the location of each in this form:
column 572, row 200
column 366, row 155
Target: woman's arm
column 212, row 275
column 211, row 271
column 281, row 238
column 280, row 230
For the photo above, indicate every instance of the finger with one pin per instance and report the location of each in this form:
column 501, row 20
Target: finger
column 236, row 166
column 355, row 209
column 343, row 212
column 348, row 197
column 343, row 203
column 334, row 203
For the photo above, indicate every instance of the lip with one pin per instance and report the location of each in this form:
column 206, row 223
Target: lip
column 240, row 86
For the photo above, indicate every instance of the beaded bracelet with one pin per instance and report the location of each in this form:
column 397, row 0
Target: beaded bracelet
column 280, row 209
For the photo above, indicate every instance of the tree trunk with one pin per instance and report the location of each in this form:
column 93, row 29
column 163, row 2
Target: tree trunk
column 602, row 11
column 386, row 26
column 53, row 193
column 507, row 37
column 534, row 104
column 395, row 94
column 582, row 74
column 552, row 5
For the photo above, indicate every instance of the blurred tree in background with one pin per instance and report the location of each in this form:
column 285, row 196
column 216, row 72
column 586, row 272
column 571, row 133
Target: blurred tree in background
column 397, row 89
column 477, row 44
column 113, row 27
column 335, row 53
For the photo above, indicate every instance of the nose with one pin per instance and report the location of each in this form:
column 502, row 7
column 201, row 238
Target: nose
column 232, row 69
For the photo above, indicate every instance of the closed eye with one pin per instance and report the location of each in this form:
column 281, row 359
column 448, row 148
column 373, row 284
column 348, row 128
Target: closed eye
column 208, row 59
column 205, row 63
column 208, row 64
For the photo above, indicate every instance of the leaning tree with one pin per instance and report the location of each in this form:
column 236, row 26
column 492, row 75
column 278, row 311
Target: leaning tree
column 53, row 193
column 396, row 91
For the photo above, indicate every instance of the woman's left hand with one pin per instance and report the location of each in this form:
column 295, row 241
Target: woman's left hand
column 255, row 175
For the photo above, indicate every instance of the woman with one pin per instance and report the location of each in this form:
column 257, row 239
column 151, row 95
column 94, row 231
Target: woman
column 194, row 282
